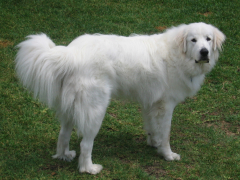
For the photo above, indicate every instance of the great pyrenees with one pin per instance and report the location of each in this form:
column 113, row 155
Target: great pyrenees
column 78, row 80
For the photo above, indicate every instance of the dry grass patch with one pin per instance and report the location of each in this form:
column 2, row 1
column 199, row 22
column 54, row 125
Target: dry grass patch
column 5, row 43
column 206, row 14
column 155, row 170
column 226, row 127
column 161, row 28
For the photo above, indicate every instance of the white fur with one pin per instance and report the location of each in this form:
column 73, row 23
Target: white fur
column 78, row 81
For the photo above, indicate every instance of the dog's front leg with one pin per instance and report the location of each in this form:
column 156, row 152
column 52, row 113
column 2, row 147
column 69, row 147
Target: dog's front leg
column 157, row 120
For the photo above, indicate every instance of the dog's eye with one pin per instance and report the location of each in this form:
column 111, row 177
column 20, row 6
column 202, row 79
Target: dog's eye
column 194, row 40
column 208, row 39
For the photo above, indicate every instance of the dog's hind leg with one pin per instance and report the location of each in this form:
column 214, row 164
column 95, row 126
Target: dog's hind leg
column 91, row 128
column 91, row 107
column 63, row 140
column 94, row 115
column 85, row 159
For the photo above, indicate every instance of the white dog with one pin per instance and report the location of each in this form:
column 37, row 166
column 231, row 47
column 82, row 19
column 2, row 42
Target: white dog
column 78, row 80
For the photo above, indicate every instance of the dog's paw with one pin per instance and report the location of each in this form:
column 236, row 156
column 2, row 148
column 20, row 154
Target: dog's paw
column 171, row 157
column 67, row 156
column 93, row 169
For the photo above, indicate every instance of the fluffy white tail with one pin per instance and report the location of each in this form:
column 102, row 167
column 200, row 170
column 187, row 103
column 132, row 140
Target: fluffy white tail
column 42, row 66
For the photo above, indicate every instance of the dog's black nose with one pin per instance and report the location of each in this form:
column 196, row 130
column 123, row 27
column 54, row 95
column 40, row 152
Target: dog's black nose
column 204, row 52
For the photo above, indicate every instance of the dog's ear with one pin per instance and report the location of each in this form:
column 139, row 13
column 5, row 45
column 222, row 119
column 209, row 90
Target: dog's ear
column 184, row 42
column 219, row 38
column 182, row 38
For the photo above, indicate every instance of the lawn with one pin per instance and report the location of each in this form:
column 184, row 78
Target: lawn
column 205, row 128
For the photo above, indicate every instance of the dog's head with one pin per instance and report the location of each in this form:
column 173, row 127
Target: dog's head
column 199, row 41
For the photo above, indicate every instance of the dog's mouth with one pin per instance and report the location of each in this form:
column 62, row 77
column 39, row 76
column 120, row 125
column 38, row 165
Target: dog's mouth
column 202, row 60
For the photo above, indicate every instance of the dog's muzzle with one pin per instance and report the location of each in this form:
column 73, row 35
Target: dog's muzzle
column 204, row 56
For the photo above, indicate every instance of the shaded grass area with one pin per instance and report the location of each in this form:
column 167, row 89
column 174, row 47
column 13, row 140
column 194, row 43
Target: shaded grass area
column 205, row 129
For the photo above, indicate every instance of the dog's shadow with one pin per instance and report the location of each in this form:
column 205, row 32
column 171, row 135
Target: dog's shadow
column 124, row 147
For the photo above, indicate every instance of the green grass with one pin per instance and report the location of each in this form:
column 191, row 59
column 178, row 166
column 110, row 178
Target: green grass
column 205, row 129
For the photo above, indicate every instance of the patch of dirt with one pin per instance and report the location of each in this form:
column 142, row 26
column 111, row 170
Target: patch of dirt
column 52, row 167
column 161, row 28
column 113, row 115
column 225, row 126
column 124, row 159
column 210, row 125
column 155, row 170
column 140, row 139
column 238, row 69
column 206, row 14
column 5, row 43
